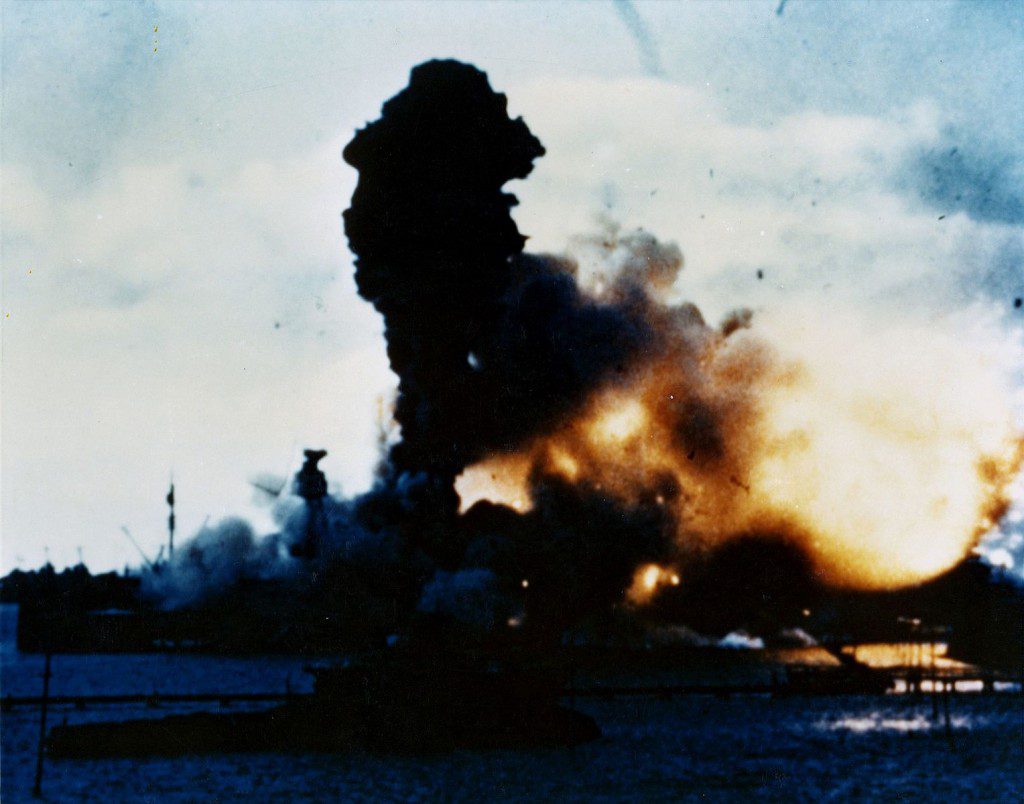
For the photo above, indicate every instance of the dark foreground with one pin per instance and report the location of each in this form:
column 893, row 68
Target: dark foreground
column 390, row 704
column 699, row 748
column 690, row 748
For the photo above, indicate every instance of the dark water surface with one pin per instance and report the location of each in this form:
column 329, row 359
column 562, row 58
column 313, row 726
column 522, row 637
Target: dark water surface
column 685, row 749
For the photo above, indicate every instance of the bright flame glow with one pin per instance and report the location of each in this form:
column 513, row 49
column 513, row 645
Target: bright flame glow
column 885, row 452
column 500, row 480
column 618, row 423
column 647, row 580
column 906, row 654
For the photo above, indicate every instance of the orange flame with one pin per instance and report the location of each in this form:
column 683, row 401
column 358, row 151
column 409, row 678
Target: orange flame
column 884, row 454
column 648, row 578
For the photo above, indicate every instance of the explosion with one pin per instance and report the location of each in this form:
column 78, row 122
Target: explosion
column 568, row 420
column 884, row 454
column 572, row 436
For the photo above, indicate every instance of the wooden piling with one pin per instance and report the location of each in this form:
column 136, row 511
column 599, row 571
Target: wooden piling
column 37, row 788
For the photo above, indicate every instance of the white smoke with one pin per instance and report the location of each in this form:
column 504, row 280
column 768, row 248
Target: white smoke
column 214, row 561
column 741, row 640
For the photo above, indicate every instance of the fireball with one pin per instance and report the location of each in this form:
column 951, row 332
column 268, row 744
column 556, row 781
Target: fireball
column 884, row 453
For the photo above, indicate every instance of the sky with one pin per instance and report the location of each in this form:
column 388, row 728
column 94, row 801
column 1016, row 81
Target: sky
column 177, row 293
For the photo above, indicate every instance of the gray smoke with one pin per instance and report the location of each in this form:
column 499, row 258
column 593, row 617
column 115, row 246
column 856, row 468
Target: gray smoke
column 214, row 561
column 469, row 596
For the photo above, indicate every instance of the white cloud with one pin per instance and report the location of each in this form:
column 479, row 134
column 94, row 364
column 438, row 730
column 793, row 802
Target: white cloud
column 162, row 320
column 810, row 199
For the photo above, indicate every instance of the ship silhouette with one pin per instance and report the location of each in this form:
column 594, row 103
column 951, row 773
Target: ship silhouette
column 397, row 700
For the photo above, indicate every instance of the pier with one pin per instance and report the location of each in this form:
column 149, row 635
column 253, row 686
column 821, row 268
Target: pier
column 797, row 681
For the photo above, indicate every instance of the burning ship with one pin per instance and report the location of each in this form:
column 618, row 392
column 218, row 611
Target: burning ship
column 575, row 443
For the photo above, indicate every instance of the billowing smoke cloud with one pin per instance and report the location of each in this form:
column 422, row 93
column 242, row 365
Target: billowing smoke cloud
column 596, row 423
column 213, row 561
column 489, row 345
column 492, row 348
column 567, row 423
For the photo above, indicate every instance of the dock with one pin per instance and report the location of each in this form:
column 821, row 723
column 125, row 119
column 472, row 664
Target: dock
column 798, row 681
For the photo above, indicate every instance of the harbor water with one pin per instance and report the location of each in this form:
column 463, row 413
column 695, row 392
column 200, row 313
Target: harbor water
column 697, row 748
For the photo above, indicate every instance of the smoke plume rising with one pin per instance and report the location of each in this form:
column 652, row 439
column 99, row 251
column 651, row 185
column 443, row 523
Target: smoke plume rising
column 550, row 389
column 573, row 435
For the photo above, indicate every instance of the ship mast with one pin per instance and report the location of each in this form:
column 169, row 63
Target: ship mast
column 170, row 521
column 311, row 486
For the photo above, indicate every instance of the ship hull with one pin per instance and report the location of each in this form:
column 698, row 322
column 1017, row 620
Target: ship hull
column 305, row 727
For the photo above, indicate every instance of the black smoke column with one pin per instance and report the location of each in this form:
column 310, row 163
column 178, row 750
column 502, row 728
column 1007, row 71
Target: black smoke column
column 492, row 347
column 434, row 240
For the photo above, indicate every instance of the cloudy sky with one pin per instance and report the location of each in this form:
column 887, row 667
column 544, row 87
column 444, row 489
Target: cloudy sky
column 177, row 292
